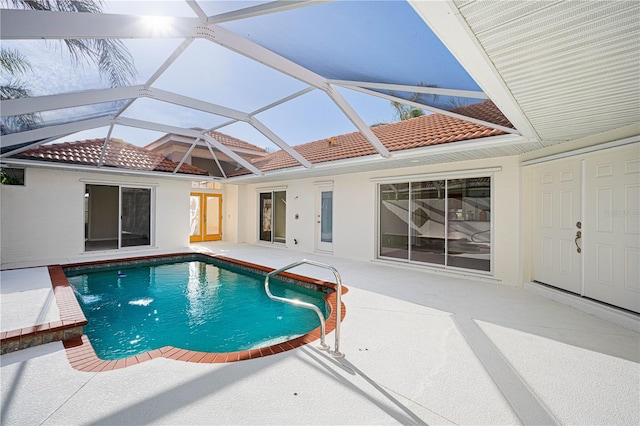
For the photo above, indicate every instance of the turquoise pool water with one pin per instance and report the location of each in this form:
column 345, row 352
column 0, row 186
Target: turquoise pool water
column 189, row 305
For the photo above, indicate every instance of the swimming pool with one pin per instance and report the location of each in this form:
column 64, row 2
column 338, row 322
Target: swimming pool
column 189, row 303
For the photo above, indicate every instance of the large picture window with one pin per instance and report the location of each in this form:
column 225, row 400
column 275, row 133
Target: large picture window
column 116, row 217
column 443, row 222
column 273, row 216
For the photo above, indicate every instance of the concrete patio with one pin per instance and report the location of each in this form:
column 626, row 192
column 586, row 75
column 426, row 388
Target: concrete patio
column 420, row 348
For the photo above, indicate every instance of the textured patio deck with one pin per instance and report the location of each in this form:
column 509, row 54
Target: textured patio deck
column 421, row 348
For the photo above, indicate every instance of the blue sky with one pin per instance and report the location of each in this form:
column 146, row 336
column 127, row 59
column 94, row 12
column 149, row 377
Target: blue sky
column 360, row 40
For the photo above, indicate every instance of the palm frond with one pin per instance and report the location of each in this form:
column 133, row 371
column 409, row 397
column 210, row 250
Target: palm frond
column 112, row 58
column 13, row 61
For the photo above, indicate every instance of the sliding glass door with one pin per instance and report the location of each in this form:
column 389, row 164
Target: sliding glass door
column 116, row 217
column 273, row 216
column 439, row 222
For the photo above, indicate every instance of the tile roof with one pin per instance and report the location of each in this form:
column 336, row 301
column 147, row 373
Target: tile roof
column 235, row 142
column 427, row 130
column 119, row 154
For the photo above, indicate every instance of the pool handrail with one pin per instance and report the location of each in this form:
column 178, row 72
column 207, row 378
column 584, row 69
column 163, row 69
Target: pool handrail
column 336, row 353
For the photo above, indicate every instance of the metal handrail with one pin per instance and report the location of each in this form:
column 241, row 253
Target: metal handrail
column 336, row 353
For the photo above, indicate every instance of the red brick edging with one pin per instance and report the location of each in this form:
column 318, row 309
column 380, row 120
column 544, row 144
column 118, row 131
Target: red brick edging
column 82, row 356
column 69, row 326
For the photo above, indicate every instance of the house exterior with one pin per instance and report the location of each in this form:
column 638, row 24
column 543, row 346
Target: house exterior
column 549, row 195
column 66, row 207
column 447, row 205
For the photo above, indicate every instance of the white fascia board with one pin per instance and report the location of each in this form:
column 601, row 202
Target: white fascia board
column 282, row 144
column 249, row 49
column 447, row 23
column 446, row 148
column 186, row 101
column 53, row 25
column 263, row 9
column 437, row 110
column 67, row 100
column 53, row 131
column 225, row 149
column 357, row 121
column 412, row 89
column 108, row 170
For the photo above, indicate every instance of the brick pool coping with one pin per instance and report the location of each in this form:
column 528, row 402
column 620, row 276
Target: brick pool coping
column 82, row 356
column 70, row 325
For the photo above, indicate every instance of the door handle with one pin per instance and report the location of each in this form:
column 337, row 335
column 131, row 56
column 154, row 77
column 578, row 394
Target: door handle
column 578, row 236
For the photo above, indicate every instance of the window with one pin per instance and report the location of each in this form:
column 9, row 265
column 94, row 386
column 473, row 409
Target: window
column 116, row 217
column 12, row 176
column 438, row 222
column 273, row 216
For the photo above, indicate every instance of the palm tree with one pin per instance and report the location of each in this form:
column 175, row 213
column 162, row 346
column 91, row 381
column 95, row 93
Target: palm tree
column 111, row 57
column 15, row 64
column 405, row 112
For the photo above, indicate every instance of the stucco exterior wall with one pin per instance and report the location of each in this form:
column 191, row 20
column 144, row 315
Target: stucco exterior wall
column 42, row 222
column 354, row 211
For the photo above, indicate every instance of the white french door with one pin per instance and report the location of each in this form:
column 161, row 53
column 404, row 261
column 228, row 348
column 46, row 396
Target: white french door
column 587, row 225
column 558, row 223
column 612, row 211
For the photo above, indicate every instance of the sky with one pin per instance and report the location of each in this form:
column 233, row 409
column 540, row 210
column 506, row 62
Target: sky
column 383, row 41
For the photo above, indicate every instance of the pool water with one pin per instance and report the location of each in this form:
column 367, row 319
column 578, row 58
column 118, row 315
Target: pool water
column 189, row 305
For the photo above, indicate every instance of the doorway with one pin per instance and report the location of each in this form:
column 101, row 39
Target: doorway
column 116, row 217
column 587, row 225
column 324, row 218
column 205, row 217
column 273, row 217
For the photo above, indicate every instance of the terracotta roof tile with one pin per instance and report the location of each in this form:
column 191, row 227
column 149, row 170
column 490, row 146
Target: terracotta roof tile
column 427, row 130
column 119, row 154
column 234, row 142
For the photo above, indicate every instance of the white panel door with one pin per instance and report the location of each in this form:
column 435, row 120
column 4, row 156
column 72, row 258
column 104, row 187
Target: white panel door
column 612, row 227
column 557, row 211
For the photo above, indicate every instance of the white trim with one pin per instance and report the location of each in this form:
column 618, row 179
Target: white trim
column 436, row 175
column 594, row 148
column 323, row 182
column 271, row 188
column 583, row 195
column 445, row 148
column 104, row 170
column 118, row 183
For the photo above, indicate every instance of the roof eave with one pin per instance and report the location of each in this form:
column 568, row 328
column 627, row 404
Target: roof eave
column 15, row 162
column 457, row 151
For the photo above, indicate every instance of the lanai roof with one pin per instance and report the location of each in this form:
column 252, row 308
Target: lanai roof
column 558, row 71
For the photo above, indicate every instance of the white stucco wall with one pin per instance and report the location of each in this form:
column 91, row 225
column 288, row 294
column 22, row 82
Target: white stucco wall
column 354, row 214
column 42, row 222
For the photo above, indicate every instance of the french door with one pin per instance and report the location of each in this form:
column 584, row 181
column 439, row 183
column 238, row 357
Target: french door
column 587, row 225
column 206, row 217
